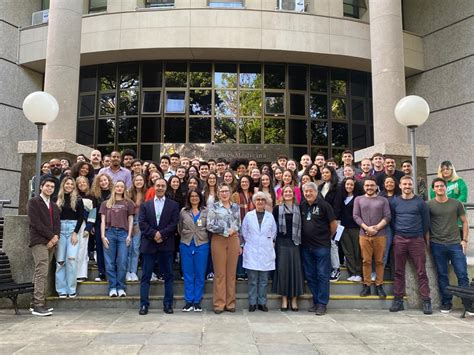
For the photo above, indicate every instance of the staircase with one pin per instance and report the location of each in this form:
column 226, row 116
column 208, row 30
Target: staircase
column 91, row 294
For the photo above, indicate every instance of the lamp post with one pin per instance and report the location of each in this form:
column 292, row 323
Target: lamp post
column 40, row 108
column 412, row 111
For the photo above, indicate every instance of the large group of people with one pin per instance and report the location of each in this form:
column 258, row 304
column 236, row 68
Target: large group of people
column 227, row 221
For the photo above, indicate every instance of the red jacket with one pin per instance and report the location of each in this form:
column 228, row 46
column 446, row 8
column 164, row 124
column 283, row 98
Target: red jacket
column 41, row 230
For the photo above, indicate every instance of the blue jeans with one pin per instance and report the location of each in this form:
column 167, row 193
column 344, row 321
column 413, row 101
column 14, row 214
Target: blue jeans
column 116, row 257
column 194, row 263
column 134, row 252
column 66, row 260
column 258, row 281
column 317, row 270
column 442, row 254
column 241, row 272
column 165, row 260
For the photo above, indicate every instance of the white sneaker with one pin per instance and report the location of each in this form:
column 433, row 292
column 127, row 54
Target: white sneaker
column 351, row 278
column 154, row 277
column 357, row 278
column 113, row 292
column 133, row 276
column 128, row 277
column 373, row 276
column 122, row 293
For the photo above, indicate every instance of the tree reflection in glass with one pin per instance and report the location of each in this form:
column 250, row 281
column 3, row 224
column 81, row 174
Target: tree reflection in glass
column 338, row 108
column 319, row 133
column 318, row 107
column 274, row 103
column 250, row 130
column 274, row 131
column 106, row 128
column 225, row 129
column 339, row 135
column 200, row 102
column 250, row 76
column 107, row 104
column 128, row 103
column 226, row 103
column 251, row 103
column 225, row 75
column 200, row 130
column 127, row 129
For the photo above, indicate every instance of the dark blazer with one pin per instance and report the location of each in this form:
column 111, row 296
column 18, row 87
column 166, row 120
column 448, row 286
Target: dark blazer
column 167, row 228
column 41, row 230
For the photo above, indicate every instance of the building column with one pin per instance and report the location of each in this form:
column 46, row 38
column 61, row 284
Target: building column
column 388, row 69
column 63, row 55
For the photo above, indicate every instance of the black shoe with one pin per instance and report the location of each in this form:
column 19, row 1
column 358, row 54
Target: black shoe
column 397, row 305
column 313, row 308
column 294, row 309
column 365, row 291
column 143, row 310
column 446, row 307
column 427, row 309
column 197, row 307
column 379, row 291
column 252, row 308
column 168, row 309
column 263, row 307
column 231, row 310
column 284, row 309
column 218, row 311
column 41, row 311
column 188, row 307
column 321, row 310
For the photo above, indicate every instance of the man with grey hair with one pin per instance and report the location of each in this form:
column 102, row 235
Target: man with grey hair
column 318, row 225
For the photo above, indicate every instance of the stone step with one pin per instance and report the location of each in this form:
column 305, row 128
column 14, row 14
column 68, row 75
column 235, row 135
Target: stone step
column 92, row 288
column 273, row 302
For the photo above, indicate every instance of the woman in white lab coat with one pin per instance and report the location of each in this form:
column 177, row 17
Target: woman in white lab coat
column 258, row 233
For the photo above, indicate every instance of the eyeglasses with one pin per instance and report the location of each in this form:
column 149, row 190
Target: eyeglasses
column 260, row 199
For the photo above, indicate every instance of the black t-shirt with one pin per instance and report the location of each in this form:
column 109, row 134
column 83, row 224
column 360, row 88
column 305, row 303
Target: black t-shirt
column 380, row 178
column 315, row 231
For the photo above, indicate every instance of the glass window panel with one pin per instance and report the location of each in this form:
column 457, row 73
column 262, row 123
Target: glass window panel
column 250, row 75
column 151, row 129
column 297, row 77
column 318, row 107
column 107, row 149
column 200, row 130
column 316, row 150
column 128, row 104
column 319, row 133
column 226, row 103
column 297, row 151
column 129, row 77
column 358, row 83
column 159, row 3
column 339, row 82
column 225, row 130
column 318, row 80
column 339, row 135
column 274, row 76
column 297, row 131
column 200, row 102
column 337, row 155
column 106, row 131
column 274, row 103
column 97, row 5
column 370, row 138
column 175, row 101
column 274, row 131
column 151, row 102
column 107, row 77
column 338, row 108
column 297, row 104
column 250, row 130
column 88, row 79
column 85, row 132
column 176, row 75
column 150, row 152
column 226, row 3
column 250, row 103
column 225, row 75
column 359, row 136
column 175, row 130
column 358, row 110
column 152, row 74
column 200, row 75
column 107, row 104
column 127, row 129
column 86, row 105
column 370, row 112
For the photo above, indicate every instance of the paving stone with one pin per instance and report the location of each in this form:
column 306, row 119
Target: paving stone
column 120, row 339
column 175, row 338
column 280, row 338
column 415, row 349
column 344, row 349
column 229, row 348
column 272, row 327
column 383, row 338
column 169, row 349
column 336, row 338
column 226, row 337
column 290, row 349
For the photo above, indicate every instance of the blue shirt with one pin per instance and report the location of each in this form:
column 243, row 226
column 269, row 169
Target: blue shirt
column 159, row 204
column 410, row 217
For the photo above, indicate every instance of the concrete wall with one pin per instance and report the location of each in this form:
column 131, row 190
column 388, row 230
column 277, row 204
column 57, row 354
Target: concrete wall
column 447, row 28
column 186, row 31
column 16, row 83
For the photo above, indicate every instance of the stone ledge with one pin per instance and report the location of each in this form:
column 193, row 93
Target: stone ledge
column 54, row 146
column 395, row 149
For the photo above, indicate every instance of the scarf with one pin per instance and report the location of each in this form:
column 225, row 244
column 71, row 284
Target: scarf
column 296, row 226
column 246, row 205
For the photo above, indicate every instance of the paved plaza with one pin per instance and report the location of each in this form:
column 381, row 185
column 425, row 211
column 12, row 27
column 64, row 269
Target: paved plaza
column 118, row 331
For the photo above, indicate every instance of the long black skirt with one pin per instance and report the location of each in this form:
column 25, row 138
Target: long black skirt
column 288, row 277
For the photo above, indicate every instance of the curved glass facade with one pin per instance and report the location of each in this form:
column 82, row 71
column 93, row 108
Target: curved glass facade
column 304, row 108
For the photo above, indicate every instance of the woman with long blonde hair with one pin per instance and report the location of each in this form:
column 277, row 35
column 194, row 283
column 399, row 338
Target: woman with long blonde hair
column 116, row 230
column 72, row 216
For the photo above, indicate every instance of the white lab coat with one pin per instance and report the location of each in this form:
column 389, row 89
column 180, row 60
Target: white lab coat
column 259, row 253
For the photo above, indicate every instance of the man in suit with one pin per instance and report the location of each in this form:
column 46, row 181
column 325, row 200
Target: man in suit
column 45, row 229
column 158, row 222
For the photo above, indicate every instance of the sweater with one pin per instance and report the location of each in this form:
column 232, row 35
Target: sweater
column 410, row 217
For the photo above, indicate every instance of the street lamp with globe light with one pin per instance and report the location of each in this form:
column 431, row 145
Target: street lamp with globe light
column 40, row 108
column 412, row 111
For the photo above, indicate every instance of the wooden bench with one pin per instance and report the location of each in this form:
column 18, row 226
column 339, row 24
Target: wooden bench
column 466, row 294
column 9, row 288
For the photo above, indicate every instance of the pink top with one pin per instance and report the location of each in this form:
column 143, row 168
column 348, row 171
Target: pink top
column 296, row 190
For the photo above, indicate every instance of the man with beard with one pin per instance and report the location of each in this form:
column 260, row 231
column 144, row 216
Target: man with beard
column 389, row 170
column 56, row 174
column 96, row 160
column 128, row 156
column 116, row 172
